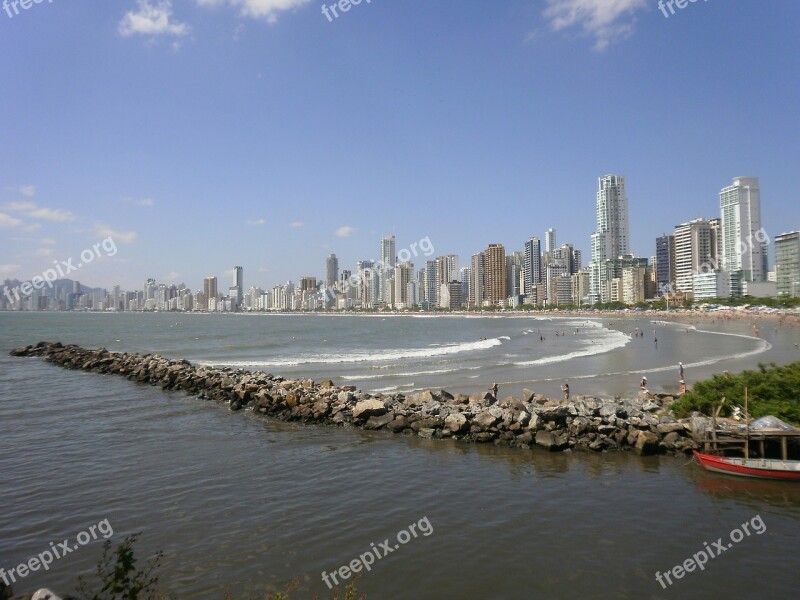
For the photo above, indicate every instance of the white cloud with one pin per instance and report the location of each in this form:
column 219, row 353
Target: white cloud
column 125, row 237
column 345, row 231
column 153, row 17
column 606, row 20
column 44, row 252
column 51, row 214
column 172, row 276
column 9, row 222
column 19, row 206
column 28, row 190
column 257, row 222
column 29, row 209
column 146, row 202
column 47, row 241
column 296, row 224
column 9, row 269
column 258, row 9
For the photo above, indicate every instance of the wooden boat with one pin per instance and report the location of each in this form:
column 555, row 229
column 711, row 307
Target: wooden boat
column 763, row 468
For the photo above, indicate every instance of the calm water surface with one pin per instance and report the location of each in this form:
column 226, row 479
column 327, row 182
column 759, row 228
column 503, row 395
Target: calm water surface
column 245, row 504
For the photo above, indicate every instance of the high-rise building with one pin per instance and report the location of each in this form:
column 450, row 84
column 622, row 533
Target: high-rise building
column 496, row 291
column 514, row 263
column 446, row 270
column 403, row 275
column 308, row 284
column 478, row 279
column 742, row 247
column 387, row 264
column 611, row 239
column 532, row 269
column 550, row 240
column 466, row 284
column 431, row 291
column 665, row 262
column 237, row 289
column 787, row 263
column 389, row 252
column 210, row 292
column 695, row 252
column 331, row 270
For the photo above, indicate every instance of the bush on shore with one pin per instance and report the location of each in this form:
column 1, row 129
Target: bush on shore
column 772, row 390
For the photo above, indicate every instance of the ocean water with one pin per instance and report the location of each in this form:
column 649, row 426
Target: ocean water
column 246, row 504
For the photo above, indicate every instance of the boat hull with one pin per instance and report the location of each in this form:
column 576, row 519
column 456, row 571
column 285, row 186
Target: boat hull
column 785, row 470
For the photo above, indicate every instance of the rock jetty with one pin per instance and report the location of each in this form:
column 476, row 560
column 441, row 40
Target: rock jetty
column 643, row 424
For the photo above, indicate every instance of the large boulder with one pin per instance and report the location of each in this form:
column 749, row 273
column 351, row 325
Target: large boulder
column 646, row 443
column 456, row 422
column 369, row 408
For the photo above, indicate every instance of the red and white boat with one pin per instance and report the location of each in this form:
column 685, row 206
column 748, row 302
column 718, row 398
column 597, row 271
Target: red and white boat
column 763, row 468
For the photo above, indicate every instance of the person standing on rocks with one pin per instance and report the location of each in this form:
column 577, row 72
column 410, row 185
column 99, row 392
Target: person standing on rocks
column 565, row 389
column 643, row 384
column 494, row 389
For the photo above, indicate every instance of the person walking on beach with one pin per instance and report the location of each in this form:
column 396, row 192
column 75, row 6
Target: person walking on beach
column 680, row 370
column 565, row 389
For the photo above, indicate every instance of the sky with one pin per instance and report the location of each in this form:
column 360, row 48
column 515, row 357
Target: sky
column 203, row 134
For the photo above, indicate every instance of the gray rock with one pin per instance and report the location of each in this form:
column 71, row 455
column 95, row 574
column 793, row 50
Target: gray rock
column 485, row 420
column 378, row 422
column 456, row 422
column 646, row 443
column 369, row 408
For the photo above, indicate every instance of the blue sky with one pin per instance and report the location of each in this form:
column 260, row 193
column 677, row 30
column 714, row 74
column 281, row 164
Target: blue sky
column 203, row 134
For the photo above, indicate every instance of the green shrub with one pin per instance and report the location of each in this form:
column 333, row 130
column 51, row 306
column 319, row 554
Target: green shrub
column 772, row 390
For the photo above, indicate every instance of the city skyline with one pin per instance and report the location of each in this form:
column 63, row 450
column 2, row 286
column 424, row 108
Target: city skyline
column 704, row 258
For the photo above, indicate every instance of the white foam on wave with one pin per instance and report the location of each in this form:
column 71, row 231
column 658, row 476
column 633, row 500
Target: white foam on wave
column 363, row 356
column 612, row 340
column 410, row 374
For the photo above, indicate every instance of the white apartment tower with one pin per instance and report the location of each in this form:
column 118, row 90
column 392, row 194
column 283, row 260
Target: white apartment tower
column 742, row 247
column 611, row 239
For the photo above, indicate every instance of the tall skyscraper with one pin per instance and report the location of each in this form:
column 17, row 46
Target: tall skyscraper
column 695, row 252
column 331, row 270
column 742, row 248
column 611, row 239
column 787, row 263
column 387, row 264
column 550, row 240
column 496, row 290
column 478, row 279
column 446, row 271
column 431, row 291
column 665, row 262
column 238, row 286
column 210, row 292
column 388, row 252
column 532, row 268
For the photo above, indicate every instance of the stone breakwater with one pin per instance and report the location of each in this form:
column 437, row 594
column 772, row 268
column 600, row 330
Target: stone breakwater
column 643, row 424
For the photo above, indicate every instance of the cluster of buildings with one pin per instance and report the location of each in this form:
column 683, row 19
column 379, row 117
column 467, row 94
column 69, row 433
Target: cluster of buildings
column 705, row 258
